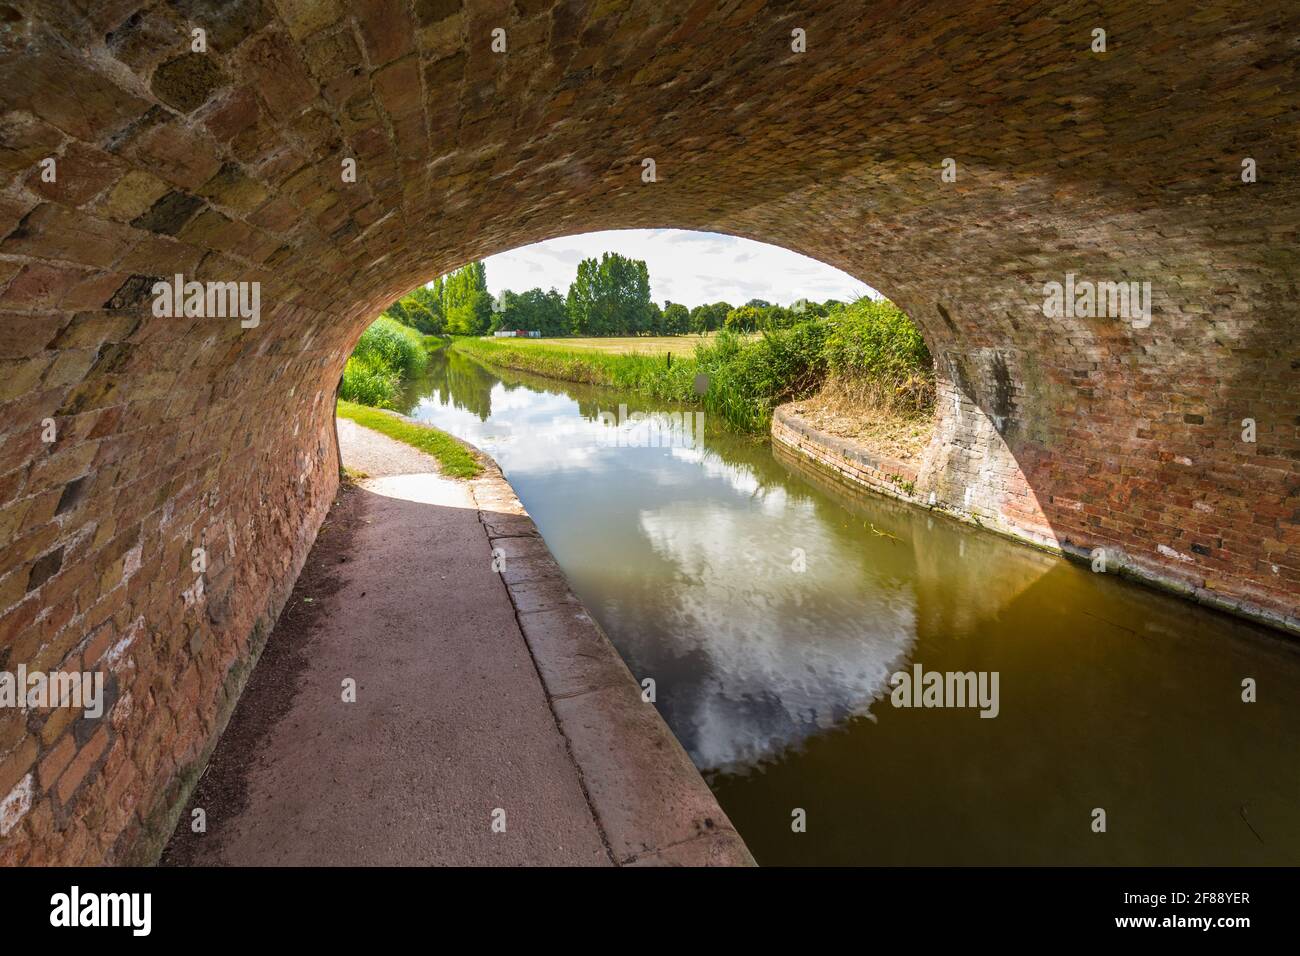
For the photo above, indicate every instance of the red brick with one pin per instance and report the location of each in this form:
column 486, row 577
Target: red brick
column 56, row 761
column 81, row 764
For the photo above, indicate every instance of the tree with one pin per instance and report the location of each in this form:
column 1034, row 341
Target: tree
column 532, row 311
column 609, row 297
column 421, row 309
column 804, row 309
column 699, row 320
column 677, row 319
column 506, row 312
column 554, row 319
column 779, row 317
column 655, row 325
column 465, row 300
column 398, row 314
column 709, row 318
column 744, row 319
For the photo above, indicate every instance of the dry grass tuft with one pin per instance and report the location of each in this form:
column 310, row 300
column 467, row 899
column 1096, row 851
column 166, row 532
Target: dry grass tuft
column 892, row 422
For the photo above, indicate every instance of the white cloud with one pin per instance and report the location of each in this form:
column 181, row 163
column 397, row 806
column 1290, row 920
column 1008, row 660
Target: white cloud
column 687, row 267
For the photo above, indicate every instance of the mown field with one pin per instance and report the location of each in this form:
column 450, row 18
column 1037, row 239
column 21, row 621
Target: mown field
column 679, row 345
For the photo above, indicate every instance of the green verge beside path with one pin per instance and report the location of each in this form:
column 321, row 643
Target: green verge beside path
column 454, row 458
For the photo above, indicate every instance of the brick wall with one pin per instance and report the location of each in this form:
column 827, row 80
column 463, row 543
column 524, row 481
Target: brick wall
column 225, row 165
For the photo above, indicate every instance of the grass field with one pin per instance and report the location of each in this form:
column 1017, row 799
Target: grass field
column 638, row 370
column 678, row 345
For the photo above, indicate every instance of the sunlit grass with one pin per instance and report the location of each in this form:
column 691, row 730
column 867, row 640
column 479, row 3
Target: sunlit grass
column 640, row 372
column 654, row 345
column 386, row 354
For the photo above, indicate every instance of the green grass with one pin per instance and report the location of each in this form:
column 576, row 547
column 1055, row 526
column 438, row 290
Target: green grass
column 454, row 458
column 645, row 374
column 746, row 377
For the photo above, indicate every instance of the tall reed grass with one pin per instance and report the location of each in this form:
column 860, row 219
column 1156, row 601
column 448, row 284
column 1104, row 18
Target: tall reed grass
column 386, row 354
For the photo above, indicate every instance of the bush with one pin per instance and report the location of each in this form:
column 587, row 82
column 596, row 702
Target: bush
column 386, row 353
column 393, row 346
column 875, row 340
column 368, row 384
column 748, row 379
column 874, row 352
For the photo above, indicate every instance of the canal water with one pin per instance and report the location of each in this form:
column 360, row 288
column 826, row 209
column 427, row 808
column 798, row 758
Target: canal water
column 771, row 605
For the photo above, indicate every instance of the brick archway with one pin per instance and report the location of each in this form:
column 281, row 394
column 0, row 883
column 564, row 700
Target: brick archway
column 225, row 165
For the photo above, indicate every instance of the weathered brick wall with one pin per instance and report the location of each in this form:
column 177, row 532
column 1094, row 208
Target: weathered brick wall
column 225, row 165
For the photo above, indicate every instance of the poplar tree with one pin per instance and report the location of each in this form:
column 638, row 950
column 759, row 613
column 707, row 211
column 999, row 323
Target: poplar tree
column 610, row 297
column 465, row 300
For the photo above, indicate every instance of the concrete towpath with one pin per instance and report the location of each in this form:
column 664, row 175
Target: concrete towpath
column 493, row 723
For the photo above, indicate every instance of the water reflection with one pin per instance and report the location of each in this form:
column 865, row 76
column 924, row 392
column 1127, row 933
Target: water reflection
column 776, row 679
column 687, row 558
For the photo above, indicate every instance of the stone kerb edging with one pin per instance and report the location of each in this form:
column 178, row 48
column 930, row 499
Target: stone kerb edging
column 651, row 803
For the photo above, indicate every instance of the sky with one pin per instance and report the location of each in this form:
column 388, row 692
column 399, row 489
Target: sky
column 687, row 267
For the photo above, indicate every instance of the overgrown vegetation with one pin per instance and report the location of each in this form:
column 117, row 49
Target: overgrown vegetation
column 387, row 353
column 875, row 349
column 867, row 353
column 454, row 458
column 871, row 344
column 455, row 304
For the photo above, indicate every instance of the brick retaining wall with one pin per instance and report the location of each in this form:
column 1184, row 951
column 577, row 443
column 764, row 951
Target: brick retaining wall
column 905, row 481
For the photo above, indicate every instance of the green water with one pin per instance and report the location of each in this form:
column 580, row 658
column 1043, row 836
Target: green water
column 776, row 680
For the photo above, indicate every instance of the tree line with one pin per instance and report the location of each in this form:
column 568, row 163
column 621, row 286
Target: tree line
column 608, row 296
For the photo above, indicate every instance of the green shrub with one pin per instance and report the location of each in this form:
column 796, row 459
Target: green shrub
column 877, row 357
column 367, row 383
column 875, row 340
column 748, row 379
column 386, row 353
column 393, row 345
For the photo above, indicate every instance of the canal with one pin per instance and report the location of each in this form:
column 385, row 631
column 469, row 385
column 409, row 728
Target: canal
column 771, row 604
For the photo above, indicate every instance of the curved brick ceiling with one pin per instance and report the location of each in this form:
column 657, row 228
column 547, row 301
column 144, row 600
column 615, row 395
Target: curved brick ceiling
column 225, row 165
